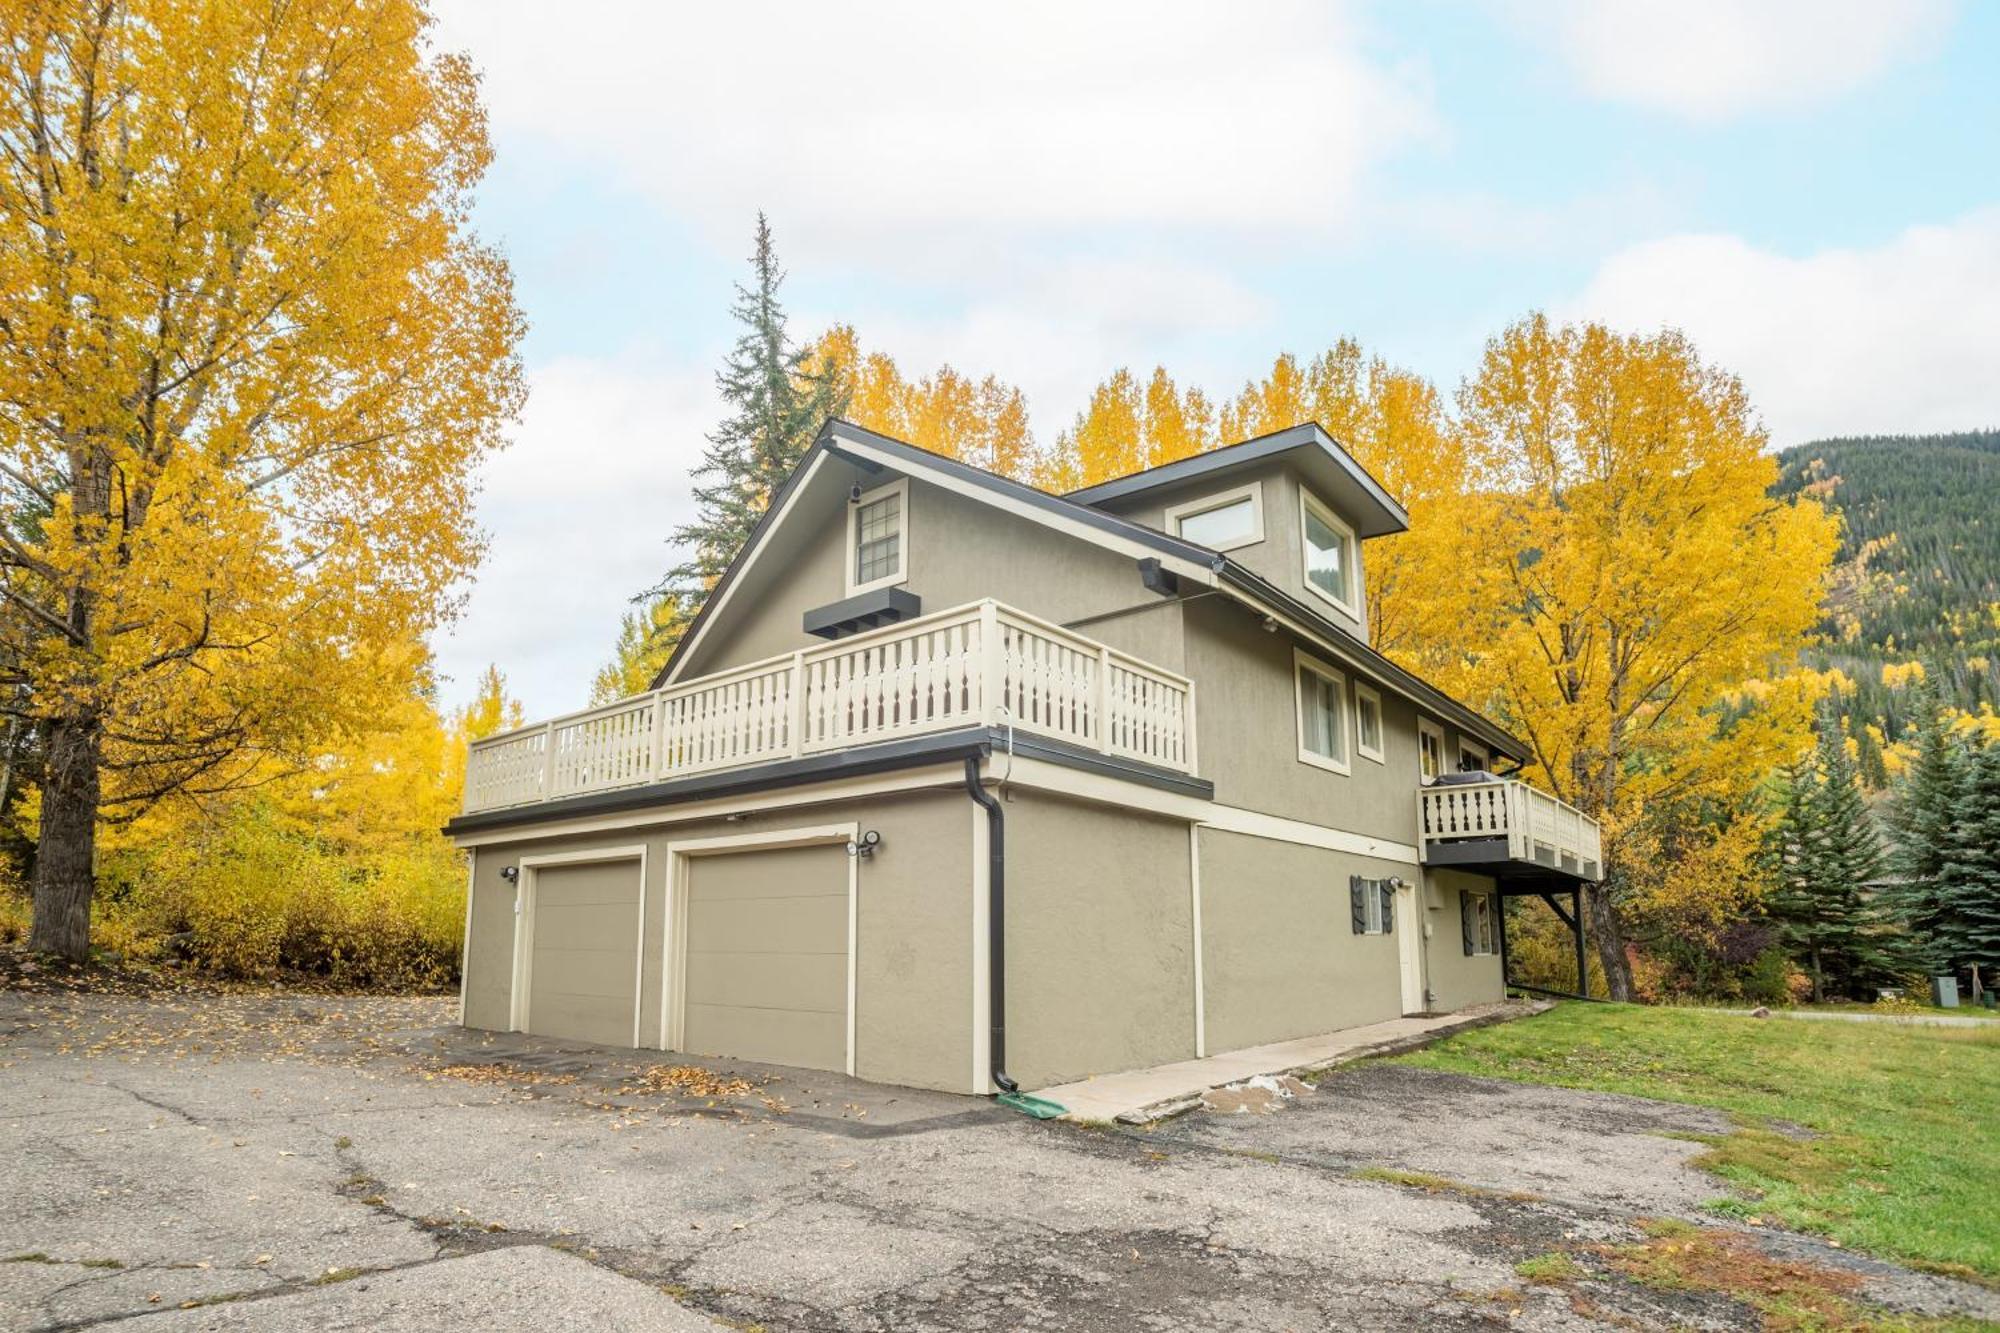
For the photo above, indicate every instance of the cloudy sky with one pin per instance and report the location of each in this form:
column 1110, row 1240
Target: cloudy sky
column 1810, row 188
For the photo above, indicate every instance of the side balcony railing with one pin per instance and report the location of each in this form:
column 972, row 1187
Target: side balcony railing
column 981, row 664
column 1538, row 829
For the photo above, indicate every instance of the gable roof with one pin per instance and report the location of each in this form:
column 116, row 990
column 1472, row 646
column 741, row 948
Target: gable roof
column 1190, row 560
column 1374, row 512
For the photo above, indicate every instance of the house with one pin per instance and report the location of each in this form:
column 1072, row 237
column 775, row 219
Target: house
column 957, row 784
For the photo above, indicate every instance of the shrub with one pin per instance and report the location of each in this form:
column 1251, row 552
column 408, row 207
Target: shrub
column 1768, row 978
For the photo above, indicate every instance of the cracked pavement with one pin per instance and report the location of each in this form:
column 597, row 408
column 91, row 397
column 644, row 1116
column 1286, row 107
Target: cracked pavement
column 338, row 1162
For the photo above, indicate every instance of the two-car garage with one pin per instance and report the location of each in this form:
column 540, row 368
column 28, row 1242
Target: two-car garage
column 757, row 957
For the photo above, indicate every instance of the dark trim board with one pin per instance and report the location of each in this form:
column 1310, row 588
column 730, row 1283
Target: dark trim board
column 868, row 610
column 1488, row 856
column 882, row 757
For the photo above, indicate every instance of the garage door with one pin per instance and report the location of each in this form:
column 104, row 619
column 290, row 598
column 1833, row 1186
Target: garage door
column 584, row 963
column 767, row 956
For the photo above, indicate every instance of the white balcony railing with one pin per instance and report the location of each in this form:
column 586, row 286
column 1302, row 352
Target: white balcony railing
column 982, row 664
column 1537, row 827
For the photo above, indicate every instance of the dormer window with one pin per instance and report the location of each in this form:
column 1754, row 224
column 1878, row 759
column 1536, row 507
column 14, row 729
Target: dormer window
column 877, row 522
column 1329, row 553
column 1221, row 522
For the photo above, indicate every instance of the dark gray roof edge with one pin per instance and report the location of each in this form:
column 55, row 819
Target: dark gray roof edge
column 860, row 761
column 1020, row 490
column 1309, row 433
column 1403, row 681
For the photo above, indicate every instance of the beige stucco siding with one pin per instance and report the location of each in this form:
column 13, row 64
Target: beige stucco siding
column 1100, row 963
column 1280, row 958
column 1456, row 979
column 913, row 983
column 960, row 551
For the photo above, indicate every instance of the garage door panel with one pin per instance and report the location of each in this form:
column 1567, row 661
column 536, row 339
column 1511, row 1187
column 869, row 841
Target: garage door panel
column 766, row 956
column 583, row 968
column 604, row 926
column 788, row 926
column 774, row 1036
column 787, row 872
column 815, row 982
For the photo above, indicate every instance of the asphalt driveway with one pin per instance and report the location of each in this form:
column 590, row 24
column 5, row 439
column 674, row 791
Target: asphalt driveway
column 197, row 1162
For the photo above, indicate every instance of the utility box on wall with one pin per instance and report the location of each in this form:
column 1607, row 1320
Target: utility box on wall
column 1944, row 992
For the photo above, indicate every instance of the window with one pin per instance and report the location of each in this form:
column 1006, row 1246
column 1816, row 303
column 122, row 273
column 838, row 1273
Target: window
column 876, row 524
column 1368, row 723
column 1322, row 714
column 1329, row 553
column 1475, row 912
column 1472, row 756
column 1221, row 522
column 1373, row 904
column 1430, row 750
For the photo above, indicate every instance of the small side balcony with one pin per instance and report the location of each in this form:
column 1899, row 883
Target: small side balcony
column 983, row 664
column 1508, row 829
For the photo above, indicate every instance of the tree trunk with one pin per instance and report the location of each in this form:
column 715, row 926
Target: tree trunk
column 1609, row 938
column 66, row 853
column 1819, row 979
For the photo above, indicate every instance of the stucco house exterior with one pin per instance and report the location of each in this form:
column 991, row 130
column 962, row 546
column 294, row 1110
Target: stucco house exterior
column 957, row 784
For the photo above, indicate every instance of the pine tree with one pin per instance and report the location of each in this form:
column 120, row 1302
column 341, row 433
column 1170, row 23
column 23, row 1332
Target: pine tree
column 1826, row 853
column 778, row 404
column 1969, row 876
column 1920, row 817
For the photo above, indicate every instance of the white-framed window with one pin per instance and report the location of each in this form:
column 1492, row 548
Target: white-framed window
column 1473, row 757
column 1368, row 732
column 1223, row 521
column 1476, row 917
column 1328, row 546
column 1430, row 750
column 1372, row 902
column 1322, row 701
column 878, row 530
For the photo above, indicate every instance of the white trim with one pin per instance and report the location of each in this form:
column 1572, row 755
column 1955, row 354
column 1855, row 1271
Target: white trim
column 465, row 950
column 1426, row 727
column 982, row 956
column 1254, row 493
column 1194, row 890
column 673, row 939
column 1303, row 661
column 1379, row 751
column 852, row 553
column 1187, row 569
column 1100, row 789
column 750, row 555
column 1349, row 559
column 1485, row 755
column 835, row 789
column 519, row 1014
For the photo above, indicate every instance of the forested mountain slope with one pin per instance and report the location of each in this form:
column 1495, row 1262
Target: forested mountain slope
column 1919, row 577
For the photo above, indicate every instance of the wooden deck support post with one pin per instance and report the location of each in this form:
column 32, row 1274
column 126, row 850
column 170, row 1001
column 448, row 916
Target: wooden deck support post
column 1576, row 924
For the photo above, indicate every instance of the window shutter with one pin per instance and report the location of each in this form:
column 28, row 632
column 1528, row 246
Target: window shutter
column 1358, row 903
column 1388, row 906
column 1466, row 924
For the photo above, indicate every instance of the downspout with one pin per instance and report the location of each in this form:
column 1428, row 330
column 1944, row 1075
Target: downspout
column 996, row 928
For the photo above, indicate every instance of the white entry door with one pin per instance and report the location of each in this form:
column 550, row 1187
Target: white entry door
column 1410, row 944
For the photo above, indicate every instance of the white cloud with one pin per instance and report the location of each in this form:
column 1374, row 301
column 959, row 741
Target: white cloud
column 1895, row 339
column 866, row 125
column 579, row 510
column 1710, row 60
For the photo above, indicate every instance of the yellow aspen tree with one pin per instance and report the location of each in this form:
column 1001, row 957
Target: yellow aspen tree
column 646, row 639
column 1632, row 587
column 250, row 355
column 983, row 422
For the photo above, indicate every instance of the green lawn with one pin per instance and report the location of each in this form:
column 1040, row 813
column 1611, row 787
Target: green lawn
column 1904, row 1158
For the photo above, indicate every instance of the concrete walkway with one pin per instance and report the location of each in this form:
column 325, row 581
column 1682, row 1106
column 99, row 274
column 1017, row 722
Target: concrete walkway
column 1140, row 1095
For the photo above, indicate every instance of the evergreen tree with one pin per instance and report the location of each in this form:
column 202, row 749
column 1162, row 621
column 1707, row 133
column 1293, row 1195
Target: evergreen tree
column 1969, row 877
column 1920, row 817
column 1827, row 853
column 777, row 404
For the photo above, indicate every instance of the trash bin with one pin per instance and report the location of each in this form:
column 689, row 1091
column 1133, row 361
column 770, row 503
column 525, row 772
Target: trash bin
column 1944, row 992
